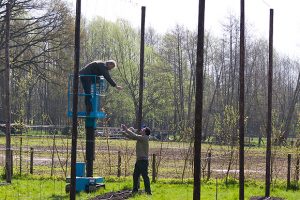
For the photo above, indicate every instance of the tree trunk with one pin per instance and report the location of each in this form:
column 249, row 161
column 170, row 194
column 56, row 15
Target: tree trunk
column 291, row 110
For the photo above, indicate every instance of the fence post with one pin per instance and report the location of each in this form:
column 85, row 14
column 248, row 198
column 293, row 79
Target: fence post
column 297, row 169
column 289, row 171
column 52, row 156
column 216, row 188
column 208, row 165
column 21, row 143
column 31, row 160
column 153, row 168
column 12, row 162
column 119, row 163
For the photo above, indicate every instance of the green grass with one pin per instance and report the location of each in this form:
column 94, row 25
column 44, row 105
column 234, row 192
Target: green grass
column 33, row 187
column 39, row 187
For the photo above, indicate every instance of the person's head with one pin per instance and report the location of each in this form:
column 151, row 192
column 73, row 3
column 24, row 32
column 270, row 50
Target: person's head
column 145, row 131
column 110, row 64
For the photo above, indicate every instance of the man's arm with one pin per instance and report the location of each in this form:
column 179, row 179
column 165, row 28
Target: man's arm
column 104, row 72
column 130, row 134
column 108, row 78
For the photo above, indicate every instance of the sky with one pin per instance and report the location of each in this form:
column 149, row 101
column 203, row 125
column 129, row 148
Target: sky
column 163, row 15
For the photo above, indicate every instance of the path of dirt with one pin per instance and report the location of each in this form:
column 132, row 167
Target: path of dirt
column 266, row 198
column 123, row 194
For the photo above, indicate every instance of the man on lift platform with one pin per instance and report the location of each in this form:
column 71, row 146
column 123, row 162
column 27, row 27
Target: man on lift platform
column 97, row 68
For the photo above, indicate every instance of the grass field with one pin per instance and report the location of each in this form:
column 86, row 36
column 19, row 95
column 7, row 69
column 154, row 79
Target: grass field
column 174, row 161
column 34, row 188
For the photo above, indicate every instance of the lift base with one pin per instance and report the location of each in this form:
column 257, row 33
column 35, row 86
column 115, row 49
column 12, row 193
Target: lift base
column 87, row 184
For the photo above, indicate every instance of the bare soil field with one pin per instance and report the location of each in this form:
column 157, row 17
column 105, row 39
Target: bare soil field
column 173, row 160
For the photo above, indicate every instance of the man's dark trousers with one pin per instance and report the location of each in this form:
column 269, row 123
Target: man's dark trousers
column 87, row 90
column 141, row 168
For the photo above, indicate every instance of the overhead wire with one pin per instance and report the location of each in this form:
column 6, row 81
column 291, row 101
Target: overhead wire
column 267, row 4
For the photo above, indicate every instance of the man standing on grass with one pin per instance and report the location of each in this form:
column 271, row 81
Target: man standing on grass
column 142, row 163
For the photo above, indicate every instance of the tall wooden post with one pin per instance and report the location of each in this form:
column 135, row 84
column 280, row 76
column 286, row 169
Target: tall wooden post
column 269, row 113
column 199, row 102
column 8, row 163
column 242, row 102
column 75, row 101
column 141, row 88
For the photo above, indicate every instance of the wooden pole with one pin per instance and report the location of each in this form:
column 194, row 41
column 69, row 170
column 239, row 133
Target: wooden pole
column 75, row 101
column 242, row 102
column 297, row 169
column 199, row 102
column 141, row 88
column 119, row 163
column 31, row 161
column 12, row 161
column 20, row 154
column 52, row 156
column 208, row 165
column 216, row 189
column 288, row 178
column 153, row 168
column 269, row 113
column 8, row 163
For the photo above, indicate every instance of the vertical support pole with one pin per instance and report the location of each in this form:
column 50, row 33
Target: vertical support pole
column 8, row 162
column 75, row 101
column 199, row 102
column 90, row 125
column 119, row 163
column 242, row 102
column 141, row 88
column 288, row 179
column 269, row 113
column 208, row 165
column 153, row 168
column 31, row 161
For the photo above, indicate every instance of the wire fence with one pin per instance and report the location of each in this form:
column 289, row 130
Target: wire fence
column 51, row 155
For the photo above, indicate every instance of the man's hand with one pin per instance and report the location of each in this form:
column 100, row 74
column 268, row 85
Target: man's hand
column 119, row 87
column 124, row 127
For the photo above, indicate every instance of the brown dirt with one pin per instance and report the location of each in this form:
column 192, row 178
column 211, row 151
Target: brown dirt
column 124, row 194
column 266, row 198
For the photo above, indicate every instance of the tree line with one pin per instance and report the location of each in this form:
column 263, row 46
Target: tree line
column 42, row 58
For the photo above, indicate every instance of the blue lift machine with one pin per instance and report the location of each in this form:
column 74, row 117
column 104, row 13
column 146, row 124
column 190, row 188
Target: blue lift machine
column 84, row 171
